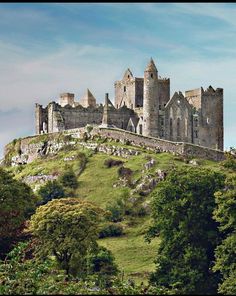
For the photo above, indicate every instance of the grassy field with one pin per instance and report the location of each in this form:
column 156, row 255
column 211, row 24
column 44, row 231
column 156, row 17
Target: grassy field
column 133, row 255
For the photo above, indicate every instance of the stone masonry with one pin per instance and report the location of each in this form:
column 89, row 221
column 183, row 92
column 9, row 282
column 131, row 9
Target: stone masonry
column 143, row 106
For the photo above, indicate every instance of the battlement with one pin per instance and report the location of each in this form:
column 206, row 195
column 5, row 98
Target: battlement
column 212, row 92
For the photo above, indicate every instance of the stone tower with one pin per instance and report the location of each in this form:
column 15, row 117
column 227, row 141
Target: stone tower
column 150, row 100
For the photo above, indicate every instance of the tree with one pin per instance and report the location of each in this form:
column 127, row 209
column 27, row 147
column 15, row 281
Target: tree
column 182, row 217
column 51, row 190
column 66, row 228
column 69, row 179
column 16, row 204
column 225, row 214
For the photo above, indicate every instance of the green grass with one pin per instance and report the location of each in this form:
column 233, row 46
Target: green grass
column 133, row 255
column 95, row 183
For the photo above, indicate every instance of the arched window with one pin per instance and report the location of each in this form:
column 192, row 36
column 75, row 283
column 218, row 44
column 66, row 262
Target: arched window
column 124, row 88
column 171, row 128
column 178, row 127
column 151, row 75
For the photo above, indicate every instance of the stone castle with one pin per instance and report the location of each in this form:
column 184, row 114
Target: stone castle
column 143, row 106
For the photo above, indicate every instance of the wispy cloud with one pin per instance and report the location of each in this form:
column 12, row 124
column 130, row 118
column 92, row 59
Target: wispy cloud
column 47, row 49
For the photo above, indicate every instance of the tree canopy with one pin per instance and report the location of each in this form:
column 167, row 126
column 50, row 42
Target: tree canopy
column 225, row 214
column 16, row 202
column 182, row 217
column 66, row 228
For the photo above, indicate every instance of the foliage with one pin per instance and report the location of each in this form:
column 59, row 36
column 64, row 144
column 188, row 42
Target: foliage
column 117, row 210
column 66, row 228
column 21, row 276
column 230, row 162
column 111, row 229
column 102, row 262
column 112, row 162
column 124, row 172
column 69, row 179
column 225, row 214
column 51, row 190
column 16, row 204
column 182, row 217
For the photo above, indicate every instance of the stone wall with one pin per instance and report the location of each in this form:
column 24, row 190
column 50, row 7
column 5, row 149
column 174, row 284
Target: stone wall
column 163, row 91
column 60, row 118
column 34, row 147
column 160, row 144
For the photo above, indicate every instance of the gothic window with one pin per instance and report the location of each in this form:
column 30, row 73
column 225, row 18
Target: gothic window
column 151, row 75
column 171, row 128
column 140, row 129
column 128, row 76
column 186, row 127
column 195, row 122
column 196, row 134
column 124, row 88
column 178, row 127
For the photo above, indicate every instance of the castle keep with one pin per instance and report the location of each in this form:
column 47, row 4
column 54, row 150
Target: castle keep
column 143, row 106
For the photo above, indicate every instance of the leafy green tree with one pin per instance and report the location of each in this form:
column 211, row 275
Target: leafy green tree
column 69, row 179
column 51, row 190
column 66, row 228
column 225, row 214
column 22, row 276
column 182, row 217
column 17, row 202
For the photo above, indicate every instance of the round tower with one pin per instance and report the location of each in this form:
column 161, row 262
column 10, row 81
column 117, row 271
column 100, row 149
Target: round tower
column 150, row 100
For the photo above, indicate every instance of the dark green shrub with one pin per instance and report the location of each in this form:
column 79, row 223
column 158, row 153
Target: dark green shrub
column 69, row 179
column 112, row 162
column 110, row 230
column 51, row 190
column 117, row 210
column 124, row 172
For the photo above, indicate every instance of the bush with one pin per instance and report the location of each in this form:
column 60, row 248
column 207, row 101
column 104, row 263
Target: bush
column 51, row 190
column 69, row 179
column 112, row 162
column 103, row 262
column 110, row 230
column 117, row 211
column 230, row 163
column 124, row 172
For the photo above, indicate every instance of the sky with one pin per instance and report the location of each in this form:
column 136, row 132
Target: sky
column 50, row 48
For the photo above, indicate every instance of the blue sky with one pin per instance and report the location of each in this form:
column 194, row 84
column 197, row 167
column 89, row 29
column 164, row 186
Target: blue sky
column 50, row 48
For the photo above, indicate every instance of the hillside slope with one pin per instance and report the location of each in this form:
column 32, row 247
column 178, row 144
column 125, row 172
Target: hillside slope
column 107, row 186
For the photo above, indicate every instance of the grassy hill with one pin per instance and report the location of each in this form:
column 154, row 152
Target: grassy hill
column 103, row 186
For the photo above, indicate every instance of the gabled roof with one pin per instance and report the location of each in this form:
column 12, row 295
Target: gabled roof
column 177, row 96
column 88, row 99
column 128, row 74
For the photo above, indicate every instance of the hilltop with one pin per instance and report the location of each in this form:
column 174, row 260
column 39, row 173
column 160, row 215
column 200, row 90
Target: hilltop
column 110, row 172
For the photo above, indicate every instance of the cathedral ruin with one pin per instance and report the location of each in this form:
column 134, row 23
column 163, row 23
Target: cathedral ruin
column 143, row 106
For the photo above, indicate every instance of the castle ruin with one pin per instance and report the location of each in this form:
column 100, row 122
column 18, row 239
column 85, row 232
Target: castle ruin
column 143, row 106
